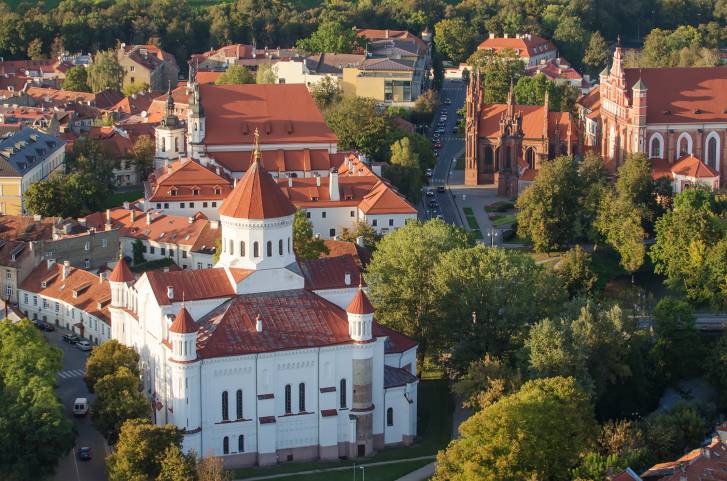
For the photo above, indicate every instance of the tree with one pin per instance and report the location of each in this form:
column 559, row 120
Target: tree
column 176, row 466
column 404, row 170
column 677, row 347
column 595, row 180
column 305, row 244
column 597, row 53
column 34, row 432
column 671, row 433
column 486, row 381
column 140, row 451
column 425, row 106
column 137, row 249
column 538, row 432
column 454, row 38
column 575, row 270
column 498, row 71
column 361, row 229
column 400, row 281
column 266, row 74
column 210, row 468
column 570, row 37
column 325, row 92
column 35, row 49
column 118, row 399
column 107, row 359
column 45, row 197
column 76, row 80
column 330, row 37
column 532, row 90
column 360, row 125
column 487, row 299
column 235, row 75
column 143, row 155
column 548, row 210
column 105, row 72
column 716, row 373
column 135, row 88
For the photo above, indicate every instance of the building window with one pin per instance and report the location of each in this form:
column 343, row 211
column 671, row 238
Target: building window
column 307, row 215
column 86, row 263
column 225, row 411
column 374, row 222
column 191, row 205
column 166, row 205
column 288, row 245
column 214, row 204
column 240, row 443
column 239, row 403
column 353, row 213
column 242, row 248
column 269, row 248
column 391, row 222
column 151, row 249
column 323, row 214
column 390, row 417
column 255, row 249
column 530, row 157
column 171, row 252
column 656, row 147
column 204, row 205
column 176, row 144
column 301, row 397
column 195, row 191
column 163, row 251
column 225, row 445
column 711, row 156
column 280, row 247
column 288, row 406
column 232, row 247
column 164, row 145
column 218, row 191
column 342, row 394
column 684, row 145
column 159, row 205
column 25, row 298
column 184, row 254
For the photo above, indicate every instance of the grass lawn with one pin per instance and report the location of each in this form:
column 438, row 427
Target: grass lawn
column 118, row 198
column 435, row 431
column 389, row 472
column 500, row 206
column 471, row 221
column 502, row 220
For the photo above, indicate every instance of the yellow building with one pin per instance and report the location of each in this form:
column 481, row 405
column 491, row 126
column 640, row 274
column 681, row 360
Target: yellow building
column 26, row 157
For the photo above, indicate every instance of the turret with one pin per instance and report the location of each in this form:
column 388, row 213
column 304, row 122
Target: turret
column 169, row 135
column 639, row 102
column 183, row 337
column 360, row 314
column 195, row 122
column 119, row 280
column 617, row 70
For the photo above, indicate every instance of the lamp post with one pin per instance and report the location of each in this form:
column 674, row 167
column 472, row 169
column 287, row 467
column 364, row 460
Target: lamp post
column 363, row 473
column 492, row 235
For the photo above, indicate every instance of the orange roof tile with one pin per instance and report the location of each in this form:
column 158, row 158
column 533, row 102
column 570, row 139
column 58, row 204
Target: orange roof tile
column 183, row 323
column 690, row 166
column 384, row 200
column 278, row 160
column 184, row 177
column 524, row 45
column 121, row 272
column 330, row 272
column 360, row 304
column 190, row 285
column 532, row 123
column 256, row 196
column 382, row 34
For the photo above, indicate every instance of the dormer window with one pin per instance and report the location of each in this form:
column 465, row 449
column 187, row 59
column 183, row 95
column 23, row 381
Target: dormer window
column 173, row 191
column 195, row 190
column 218, row 190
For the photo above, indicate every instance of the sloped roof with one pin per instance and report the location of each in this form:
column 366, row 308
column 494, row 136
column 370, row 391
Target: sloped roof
column 121, row 272
column 184, row 176
column 396, row 376
column 360, row 304
column 396, row 343
column 192, row 285
column 183, row 323
column 525, row 45
column 384, row 200
column 690, row 166
column 532, row 123
column 302, row 160
column 256, row 196
column 330, row 272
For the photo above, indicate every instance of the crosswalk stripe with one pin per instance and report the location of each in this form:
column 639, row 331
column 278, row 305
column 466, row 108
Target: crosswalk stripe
column 71, row 373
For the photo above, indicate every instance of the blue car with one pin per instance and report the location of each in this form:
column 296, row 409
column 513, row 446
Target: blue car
column 84, row 453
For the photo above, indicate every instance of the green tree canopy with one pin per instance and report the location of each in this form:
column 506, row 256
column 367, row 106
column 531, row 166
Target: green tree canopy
column 677, row 348
column 404, row 169
column 306, row 245
column 76, row 80
column 140, row 451
column 597, row 54
column 365, row 231
column 538, row 432
column 325, row 92
column 118, row 399
column 143, row 155
column 107, row 359
column 266, row 74
column 105, row 72
column 455, row 38
column 486, row 381
column 498, row 71
column 176, row 466
column 330, row 37
column 235, row 74
column 360, row 125
column 673, row 432
column 575, row 270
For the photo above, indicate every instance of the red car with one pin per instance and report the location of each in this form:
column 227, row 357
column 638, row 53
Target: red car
column 437, row 145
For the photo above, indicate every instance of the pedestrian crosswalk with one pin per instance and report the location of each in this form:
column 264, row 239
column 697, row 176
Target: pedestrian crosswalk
column 70, row 373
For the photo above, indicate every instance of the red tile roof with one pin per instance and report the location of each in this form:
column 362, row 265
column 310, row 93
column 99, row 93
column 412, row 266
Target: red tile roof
column 525, row 45
column 384, row 200
column 183, row 323
column 113, row 143
column 135, row 104
column 26, row 228
column 81, row 289
column 294, row 319
column 183, row 177
column 304, row 160
column 396, row 343
column 330, row 272
column 381, row 34
column 121, row 272
column 207, row 77
column 360, row 304
column 284, row 114
column 690, row 166
column 337, row 248
column 701, row 464
column 532, row 123
column 592, row 100
column 192, row 285
column 555, row 69
column 682, row 94
column 256, row 196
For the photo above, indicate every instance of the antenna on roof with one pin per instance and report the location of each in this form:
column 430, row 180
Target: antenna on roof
column 256, row 151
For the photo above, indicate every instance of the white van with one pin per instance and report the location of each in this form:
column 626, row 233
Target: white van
column 80, row 406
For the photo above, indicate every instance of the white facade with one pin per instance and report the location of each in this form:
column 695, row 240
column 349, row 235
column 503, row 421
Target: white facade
column 296, row 72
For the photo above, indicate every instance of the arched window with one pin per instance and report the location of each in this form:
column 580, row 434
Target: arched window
column 176, row 144
column 489, row 156
column 164, row 145
column 232, row 248
column 240, row 443
column 255, row 249
column 280, row 247
column 656, row 147
column 269, row 249
column 225, row 410
column 343, row 393
column 530, row 157
column 288, row 245
column 711, row 151
column 196, row 125
column 684, row 145
column 390, row 417
column 225, row 445
column 242, row 248
column 301, row 396
column 239, row 404
column 288, row 407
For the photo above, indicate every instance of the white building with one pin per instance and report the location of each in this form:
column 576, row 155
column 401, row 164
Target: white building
column 254, row 362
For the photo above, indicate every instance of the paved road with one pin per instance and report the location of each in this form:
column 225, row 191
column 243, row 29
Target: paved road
column 452, row 145
column 70, row 385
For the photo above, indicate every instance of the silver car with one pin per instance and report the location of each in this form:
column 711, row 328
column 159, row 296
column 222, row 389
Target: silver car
column 84, row 345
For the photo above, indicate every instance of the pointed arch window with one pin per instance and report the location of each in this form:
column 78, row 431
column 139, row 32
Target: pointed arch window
column 530, row 157
column 225, row 406
column 239, row 403
column 656, row 146
column 390, row 417
column 280, row 247
column 255, row 249
column 226, row 445
column 270, row 249
column 711, row 151
column 242, row 248
column 342, row 394
column 684, row 145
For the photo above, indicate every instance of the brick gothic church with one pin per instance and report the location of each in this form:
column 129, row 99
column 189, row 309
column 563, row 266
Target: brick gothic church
column 666, row 113
column 506, row 143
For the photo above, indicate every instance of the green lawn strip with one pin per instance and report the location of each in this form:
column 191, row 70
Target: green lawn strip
column 118, row 198
column 388, row 472
column 435, row 431
column 499, row 206
column 477, row 234
column 502, row 220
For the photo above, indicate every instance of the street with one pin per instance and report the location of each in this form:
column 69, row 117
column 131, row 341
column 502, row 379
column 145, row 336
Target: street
column 70, row 385
column 452, row 147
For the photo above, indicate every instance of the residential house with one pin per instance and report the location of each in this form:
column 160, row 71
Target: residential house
column 531, row 49
column 148, row 64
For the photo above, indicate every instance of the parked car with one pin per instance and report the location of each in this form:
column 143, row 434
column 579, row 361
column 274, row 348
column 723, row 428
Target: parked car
column 440, row 189
column 71, row 338
column 430, row 193
column 84, row 453
column 437, row 145
column 84, row 345
column 440, row 130
column 80, row 406
column 447, row 101
column 44, row 326
column 433, row 204
column 436, row 153
column 428, row 173
column 455, row 129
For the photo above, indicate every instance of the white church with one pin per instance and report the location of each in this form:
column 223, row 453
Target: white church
column 254, row 364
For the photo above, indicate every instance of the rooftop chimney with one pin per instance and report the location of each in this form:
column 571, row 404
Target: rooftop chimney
column 333, row 190
column 148, row 218
column 290, row 181
column 66, row 269
column 170, row 292
column 133, row 215
column 492, row 34
column 347, row 278
column 190, row 219
column 126, row 205
column 506, row 35
column 51, row 262
column 214, row 224
column 258, row 324
column 318, row 180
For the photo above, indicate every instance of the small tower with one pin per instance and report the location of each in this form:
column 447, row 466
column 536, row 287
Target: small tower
column 639, row 102
column 183, row 337
column 473, row 104
column 617, row 70
column 119, row 280
column 360, row 314
column 169, row 135
column 195, row 122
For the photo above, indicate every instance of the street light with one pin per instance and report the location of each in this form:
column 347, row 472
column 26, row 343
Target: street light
column 363, row 473
column 493, row 234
